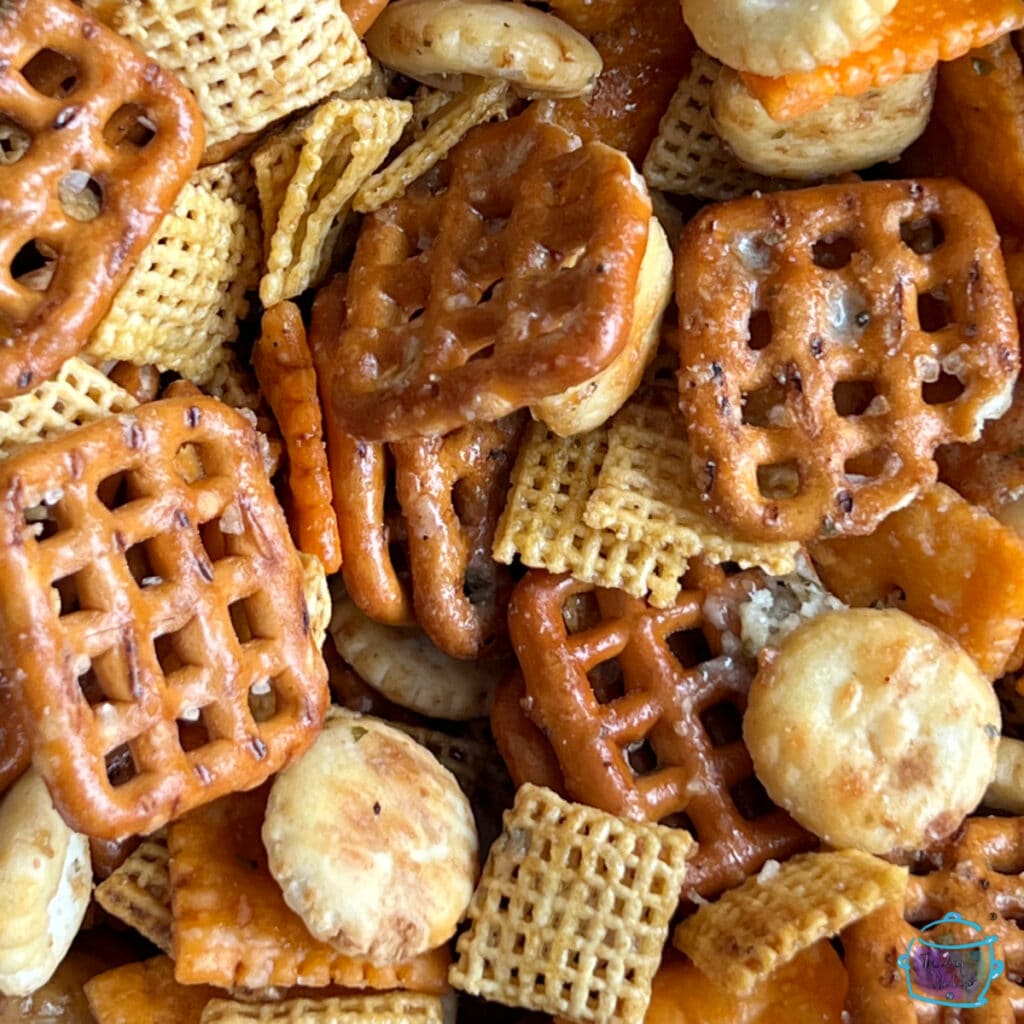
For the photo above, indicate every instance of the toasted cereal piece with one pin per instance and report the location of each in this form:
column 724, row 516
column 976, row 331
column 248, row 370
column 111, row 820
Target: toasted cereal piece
column 688, row 155
column 967, row 889
column 814, row 393
column 572, row 911
column 77, row 394
column 453, row 115
column 318, row 596
column 914, row 37
column 407, row 668
column 91, row 159
column 437, row 41
column 1006, row 790
column 232, row 927
column 307, row 176
column 378, row 1008
column 248, row 65
column 146, row 991
column 591, row 403
column 646, row 491
column 139, row 893
column 182, row 304
column 372, row 841
column 875, row 700
column 750, row 931
column 543, row 522
column 848, row 133
column 45, row 885
column 785, row 35
column 944, row 561
column 810, row 987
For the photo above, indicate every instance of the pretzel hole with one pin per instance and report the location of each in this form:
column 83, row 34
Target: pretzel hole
column 607, row 681
column 942, row 391
column 52, row 74
column 867, row 465
column 934, row 310
column 833, row 252
column 262, row 700
column 723, row 723
column 80, row 195
column 252, row 617
column 89, row 684
column 778, row 480
column 14, row 141
column 129, row 128
column 114, row 491
column 689, row 647
column 120, row 766
column 192, row 730
column 641, row 758
column 188, row 463
column 141, row 568
column 41, row 520
column 759, row 330
column 580, row 612
column 765, row 407
column 853, row 397
column 922, row 234
column 750, row 799
column 34, row 265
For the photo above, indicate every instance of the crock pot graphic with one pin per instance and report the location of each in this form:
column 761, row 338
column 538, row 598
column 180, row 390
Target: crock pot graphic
column 947, row 972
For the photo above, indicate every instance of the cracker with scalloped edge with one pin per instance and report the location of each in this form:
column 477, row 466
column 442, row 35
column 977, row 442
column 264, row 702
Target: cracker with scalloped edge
column 376, row 1008
column 307, row 176
column 146, row 991
column 764, row 922
column 445, row 124
column 138, row 892
column 232, row 928
column 915, row 36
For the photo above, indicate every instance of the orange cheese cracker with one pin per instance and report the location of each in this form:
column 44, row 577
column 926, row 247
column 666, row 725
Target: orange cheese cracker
column 231, row 926
column 146, row 991
column 915, row 37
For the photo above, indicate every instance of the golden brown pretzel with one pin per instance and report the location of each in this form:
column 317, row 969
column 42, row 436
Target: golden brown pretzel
column 504, row 276
column 644, row 721
column 100, row 141
column 180, row 602
column 830, row 340
column 284, row 369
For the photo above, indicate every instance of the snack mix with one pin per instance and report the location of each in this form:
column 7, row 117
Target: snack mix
column 511, row 510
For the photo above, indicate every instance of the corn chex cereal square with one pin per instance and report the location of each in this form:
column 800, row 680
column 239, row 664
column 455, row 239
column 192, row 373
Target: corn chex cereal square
column 572, row 911
column 378, row 1008
column 139, row 893
column 763, row 923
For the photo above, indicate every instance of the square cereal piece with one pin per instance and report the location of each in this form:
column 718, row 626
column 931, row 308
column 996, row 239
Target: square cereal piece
column 138, row 893
column 146, row 991
column 232, row 926
column 378, row 1008
column 181, row 306
column 158, row 586
column 247, row 63
column 572, row 911
column 751, row 930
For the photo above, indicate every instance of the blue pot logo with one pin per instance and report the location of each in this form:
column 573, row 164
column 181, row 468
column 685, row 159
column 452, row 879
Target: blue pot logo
column 942, row 970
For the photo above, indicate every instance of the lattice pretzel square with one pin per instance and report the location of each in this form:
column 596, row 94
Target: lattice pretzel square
column 98, row 139
column 830, row 340
column 158, row 593
column 572, row 911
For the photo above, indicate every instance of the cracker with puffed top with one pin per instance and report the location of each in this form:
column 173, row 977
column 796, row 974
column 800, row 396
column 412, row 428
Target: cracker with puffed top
column 307, row 176
column 77, row 395
column 232, row 927
column 146, row 991
column 138, row 893
column 444, row 123
column 181, row 306
column 385, row 1008
column 751, row 930
column 572, row 911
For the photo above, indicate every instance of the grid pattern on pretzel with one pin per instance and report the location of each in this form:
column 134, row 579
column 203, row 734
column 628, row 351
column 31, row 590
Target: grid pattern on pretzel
column 688, row 156
column 249, row 64
column 866, row 325
column 106, row 152
column 159, row 597
column 977, row 873
column 571, row 912
column 658, row 738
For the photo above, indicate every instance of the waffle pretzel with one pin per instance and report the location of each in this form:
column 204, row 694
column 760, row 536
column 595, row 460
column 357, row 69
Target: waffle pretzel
column 102, row 140
column 504, row 276
column 643, row 720
column 156, row 602
column 978, row 873
column 831, row 339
